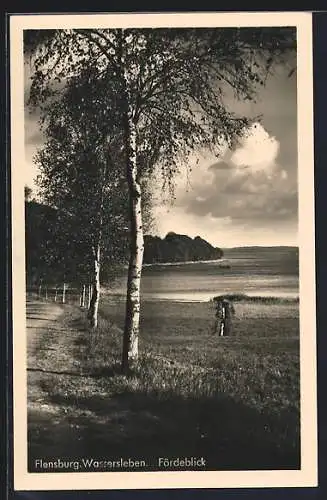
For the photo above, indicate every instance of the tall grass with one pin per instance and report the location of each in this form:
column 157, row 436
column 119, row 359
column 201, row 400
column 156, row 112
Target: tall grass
column 263, row 372
column 256, row 299
column 250, row 385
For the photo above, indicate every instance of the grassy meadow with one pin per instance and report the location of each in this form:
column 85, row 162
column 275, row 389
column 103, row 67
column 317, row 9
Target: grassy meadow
column 232, row 400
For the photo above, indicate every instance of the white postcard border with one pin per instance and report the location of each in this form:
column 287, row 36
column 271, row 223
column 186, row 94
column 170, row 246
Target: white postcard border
column 307, row 476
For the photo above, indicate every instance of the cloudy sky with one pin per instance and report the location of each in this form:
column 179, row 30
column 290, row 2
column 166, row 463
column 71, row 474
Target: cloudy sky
column 247, row 196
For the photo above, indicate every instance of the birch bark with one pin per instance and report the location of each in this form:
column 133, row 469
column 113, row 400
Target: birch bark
column 132, row 317
column 94, row 304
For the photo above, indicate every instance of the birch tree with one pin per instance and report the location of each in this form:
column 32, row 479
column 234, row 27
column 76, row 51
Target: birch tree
column 80, row 178
column 171, row 88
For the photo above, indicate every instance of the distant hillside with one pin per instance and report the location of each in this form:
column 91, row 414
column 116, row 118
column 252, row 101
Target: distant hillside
column 258, row 251
column 260, row 248
column 178, row 248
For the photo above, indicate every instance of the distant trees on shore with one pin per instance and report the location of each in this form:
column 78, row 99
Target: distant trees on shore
column 178, row 248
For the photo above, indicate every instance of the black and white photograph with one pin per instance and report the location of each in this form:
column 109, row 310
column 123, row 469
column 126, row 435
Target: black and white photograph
column 163, row 251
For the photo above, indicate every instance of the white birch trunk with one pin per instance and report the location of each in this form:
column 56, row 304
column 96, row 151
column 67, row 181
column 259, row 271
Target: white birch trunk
column 94, row 303
column 83, row 297
column 132, row 318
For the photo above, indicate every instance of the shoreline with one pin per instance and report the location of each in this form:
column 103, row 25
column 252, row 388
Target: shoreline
column 188, row 262
column 264, row 299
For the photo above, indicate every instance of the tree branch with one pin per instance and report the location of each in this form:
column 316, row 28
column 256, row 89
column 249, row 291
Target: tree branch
column 88, row 34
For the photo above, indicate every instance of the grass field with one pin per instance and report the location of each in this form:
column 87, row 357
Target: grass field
column 232, row 400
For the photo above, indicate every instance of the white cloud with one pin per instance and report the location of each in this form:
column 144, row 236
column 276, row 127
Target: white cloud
column 258, row 150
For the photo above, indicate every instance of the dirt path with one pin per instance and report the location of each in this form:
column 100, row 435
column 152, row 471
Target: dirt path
column 42, row 319
column 68, row 408
column 43, row 327
column 49, row 362
column 39, row 315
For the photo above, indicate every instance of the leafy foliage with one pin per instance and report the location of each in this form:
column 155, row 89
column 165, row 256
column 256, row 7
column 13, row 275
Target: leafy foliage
column 80, row 176
column 176, row 81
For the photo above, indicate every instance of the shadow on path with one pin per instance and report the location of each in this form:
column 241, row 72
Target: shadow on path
column 146, row 426
column 229, row 435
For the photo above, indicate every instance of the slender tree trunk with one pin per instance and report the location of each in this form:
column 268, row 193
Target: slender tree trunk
column 132, row 317
column 94, row 303
column 82, row 301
